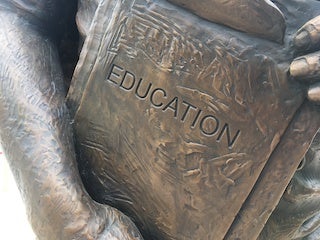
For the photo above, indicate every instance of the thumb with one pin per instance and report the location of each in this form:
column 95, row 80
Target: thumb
column 260, row 17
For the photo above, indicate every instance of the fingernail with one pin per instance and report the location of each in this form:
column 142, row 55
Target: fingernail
column 299, row 67
column 314, row 93
column 302, row 40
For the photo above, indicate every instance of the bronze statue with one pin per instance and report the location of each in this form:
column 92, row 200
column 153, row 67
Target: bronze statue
column 189, row 127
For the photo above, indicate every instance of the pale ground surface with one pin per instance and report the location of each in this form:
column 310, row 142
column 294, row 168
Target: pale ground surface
column 13, row 220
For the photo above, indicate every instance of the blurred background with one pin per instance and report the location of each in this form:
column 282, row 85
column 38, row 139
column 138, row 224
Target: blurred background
column 13, row 220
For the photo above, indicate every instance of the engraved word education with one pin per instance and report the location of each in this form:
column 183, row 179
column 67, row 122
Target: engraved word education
column 208, row 124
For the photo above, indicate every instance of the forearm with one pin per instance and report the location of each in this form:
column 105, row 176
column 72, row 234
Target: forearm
column 36, row 133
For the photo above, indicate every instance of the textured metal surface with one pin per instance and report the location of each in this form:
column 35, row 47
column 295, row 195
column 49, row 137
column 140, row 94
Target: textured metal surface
column 175, row 117
column 275, row 177
column 36, row 135
column 242, row 15
column 192, row 129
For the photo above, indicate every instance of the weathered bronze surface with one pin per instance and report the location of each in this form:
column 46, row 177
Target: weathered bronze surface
column 177, row 118
column 242, row 15
column 193, row 129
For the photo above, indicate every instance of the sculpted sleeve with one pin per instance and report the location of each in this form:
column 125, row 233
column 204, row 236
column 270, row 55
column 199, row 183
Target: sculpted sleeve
column 35, row 130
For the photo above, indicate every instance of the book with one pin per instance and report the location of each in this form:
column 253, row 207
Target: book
column 176, row 119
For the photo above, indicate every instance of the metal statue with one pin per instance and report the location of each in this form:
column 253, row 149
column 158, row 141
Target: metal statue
column 183, row 119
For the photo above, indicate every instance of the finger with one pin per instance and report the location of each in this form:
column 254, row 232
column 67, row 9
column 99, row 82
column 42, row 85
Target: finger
column 261, row 17
column 306, row 67
column 314, row 93
column 308, row 36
